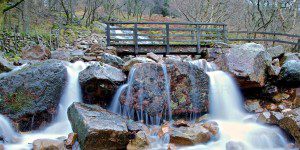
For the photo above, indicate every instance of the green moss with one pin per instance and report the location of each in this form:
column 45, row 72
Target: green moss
column 17, row 101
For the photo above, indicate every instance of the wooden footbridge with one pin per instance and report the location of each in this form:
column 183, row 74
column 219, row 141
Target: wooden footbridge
column 137, row 38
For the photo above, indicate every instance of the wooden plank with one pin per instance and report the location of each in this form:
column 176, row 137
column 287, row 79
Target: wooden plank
column 167, row 39
column 171, row 23
column 269, row 33
column 267, row 40
column 198, row 39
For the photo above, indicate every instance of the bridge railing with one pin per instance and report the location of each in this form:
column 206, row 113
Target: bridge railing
column 165, row 34
column 268, row 37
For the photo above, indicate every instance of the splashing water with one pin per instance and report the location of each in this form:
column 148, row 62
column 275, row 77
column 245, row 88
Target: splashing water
column 61, row 125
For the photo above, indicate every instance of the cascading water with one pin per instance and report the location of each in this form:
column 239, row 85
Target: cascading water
column 226, row 109
column 167, row 90
column 61, row 125
column 6, row 130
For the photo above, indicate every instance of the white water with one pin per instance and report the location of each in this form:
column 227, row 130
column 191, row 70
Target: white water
column 61, row 126
column 226, row 109
column 6, row 130
column 167, row 90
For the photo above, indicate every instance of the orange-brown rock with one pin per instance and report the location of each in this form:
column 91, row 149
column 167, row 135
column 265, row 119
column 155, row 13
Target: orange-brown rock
column 72, row 137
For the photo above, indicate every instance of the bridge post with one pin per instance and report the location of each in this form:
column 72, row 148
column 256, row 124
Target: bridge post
column 167, row 38
column 225, row 33
column 107, row 34
column 198, row 39
column 135, row 39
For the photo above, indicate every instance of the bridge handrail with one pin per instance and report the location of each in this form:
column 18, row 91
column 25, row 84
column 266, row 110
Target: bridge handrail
column 172, row 23
column 268, row 33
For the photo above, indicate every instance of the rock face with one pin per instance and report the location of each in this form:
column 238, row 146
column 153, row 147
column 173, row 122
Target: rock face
column 37, row 52
column 248, row 63
column 32, row 92
column 99, row 82
column 61, row 55
column 149, row 92
column 5, row 66
column 289, row 74
column 195, row 134
column 98, row 128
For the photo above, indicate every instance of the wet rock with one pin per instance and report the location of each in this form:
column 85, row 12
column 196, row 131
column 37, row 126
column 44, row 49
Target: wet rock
column 72, row 137
column 99, row 82
column 180, row 123
column 188, row 89
column 112, row 60
column 134, row 126
column 232, row 145
column 5, row 66
column 48, row 144
column 273, row 70
column 128, row 65
column 1, row 147
column 171, row 147
column 140, row 141
column 31, row 95
column 212, row 127
column 248, row 63
column 164, row 130
column 61, row 55
column 36, row 52
column 195, row 134
column 290, row 74
column 154, row 57
column 291, row 124
column 276, row 51
column 253, row 106
column 98, row 128
column 296, row 102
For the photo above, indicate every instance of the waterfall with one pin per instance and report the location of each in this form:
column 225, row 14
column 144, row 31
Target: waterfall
column 6, row 130
column 226, row 108
column 167, row 90
column 61, row 125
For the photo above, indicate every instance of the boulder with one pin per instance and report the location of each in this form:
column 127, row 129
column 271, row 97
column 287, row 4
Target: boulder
column 196, row 134
column 180, row 123
column 98, row 128
column 154, row 57
column 140, row 141
column 289, row 75
column 112, row 60
column 71, row 140
column 248, row 63
column 36, row 52
column 99, row 83
column 291, row 124
column 128, row 64
column 31, row 95
column 276, row 51
column 188, row 86
column 48, row 144
column 5, row 66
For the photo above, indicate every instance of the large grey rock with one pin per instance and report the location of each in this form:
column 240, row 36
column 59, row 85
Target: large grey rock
column 276, row 51
column 289, row 74
column 99, row 83
column 248, row 63
column 188, row 88
column 98, row 128
column 112, row 60
column 33, row 91
column 61, row 55
column 290, row 56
